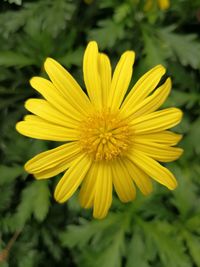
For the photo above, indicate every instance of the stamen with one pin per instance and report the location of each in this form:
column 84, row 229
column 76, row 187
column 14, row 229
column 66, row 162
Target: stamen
column 104, row 136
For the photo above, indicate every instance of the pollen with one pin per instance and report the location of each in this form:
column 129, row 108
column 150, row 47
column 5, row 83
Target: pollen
column 104, row 136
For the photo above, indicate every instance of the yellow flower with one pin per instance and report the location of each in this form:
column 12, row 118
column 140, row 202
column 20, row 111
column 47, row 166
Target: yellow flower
column 112, row 140
column 88, row 2
column 163, row 4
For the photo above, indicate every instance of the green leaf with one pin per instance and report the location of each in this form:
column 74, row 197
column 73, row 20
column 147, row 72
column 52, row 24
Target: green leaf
column 60, row 11
column 170, row 249
column 185, row 47
column 6, row 196
column 54, row 249
column 182, row 78
column 112, row 253
column 179, row 99
column 42, row 201
column 29, row 260
column 193, row 243
column 9, row 174
column 35, row 199
column 110, row 29
column 11, row 58
column 153, row 51
column 8, row 224
column 186, row 187
column 121, row 12
column 135, row 254
column 193, row 223
column 79, row 235
column 72, row 58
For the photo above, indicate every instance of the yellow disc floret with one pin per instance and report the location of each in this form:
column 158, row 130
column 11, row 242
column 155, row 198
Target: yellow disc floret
column 104, row 136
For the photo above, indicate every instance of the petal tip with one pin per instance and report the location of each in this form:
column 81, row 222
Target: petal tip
column 180, row 113
column 57, row 197
column 99, row 216
column 147, row 191
column 130, row 54
column 27, row 104
column 58, row 194
column 18, row 127
column 92, row 46
column 161, row 68
column 173, row 185
column 34, row 81
column 181, row 151
column 169, row 81
column 27, row 167
column 92, row 43
column 48, row 63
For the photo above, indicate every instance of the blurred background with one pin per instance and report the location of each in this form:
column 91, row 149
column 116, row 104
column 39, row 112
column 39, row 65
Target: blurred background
column 161, row 230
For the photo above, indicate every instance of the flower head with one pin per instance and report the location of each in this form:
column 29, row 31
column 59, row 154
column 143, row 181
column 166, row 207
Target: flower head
column 162, row 4
column 111, row 140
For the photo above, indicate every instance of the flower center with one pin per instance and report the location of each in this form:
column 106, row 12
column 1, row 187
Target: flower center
column 104, row 136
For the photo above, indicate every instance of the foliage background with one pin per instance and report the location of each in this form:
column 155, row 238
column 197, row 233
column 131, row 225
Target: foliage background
column 162, row 230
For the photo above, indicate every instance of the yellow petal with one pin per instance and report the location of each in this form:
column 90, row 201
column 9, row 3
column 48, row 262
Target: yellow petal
column 148, row 5
column 144, row 86
column 67, row 86
column 156, row 171
column 103, row 191
column 48, row 173
column 91, row 74
column 164, row 137
column 105, row 76
column 35, row 127
column 163, row 4
column 140, row 178
column 151, row 103
column 122, row 181
column 47, row 112
column 158, row 152
column 55, row 98
column 86, row 195
column 121, row 79
column 52, row 162
column 157, row 121
column 72, row 179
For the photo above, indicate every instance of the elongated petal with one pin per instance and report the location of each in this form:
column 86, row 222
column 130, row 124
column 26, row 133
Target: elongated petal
column 91, row 74
column 53, row 161
column 121, row 79
column 122, row 181
column 103, row 191
column 145, row 85
column 156, row 171
column 140, row 178
column 87, row 192
column 67, row 86
column 151, row 103
column 35, row 127
column 157, row 121
column 55, row 98
column 48, row 173
column 46, row 111
column 72, row 179
column 164, row 137
column 158, row 152
column 105, row 76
